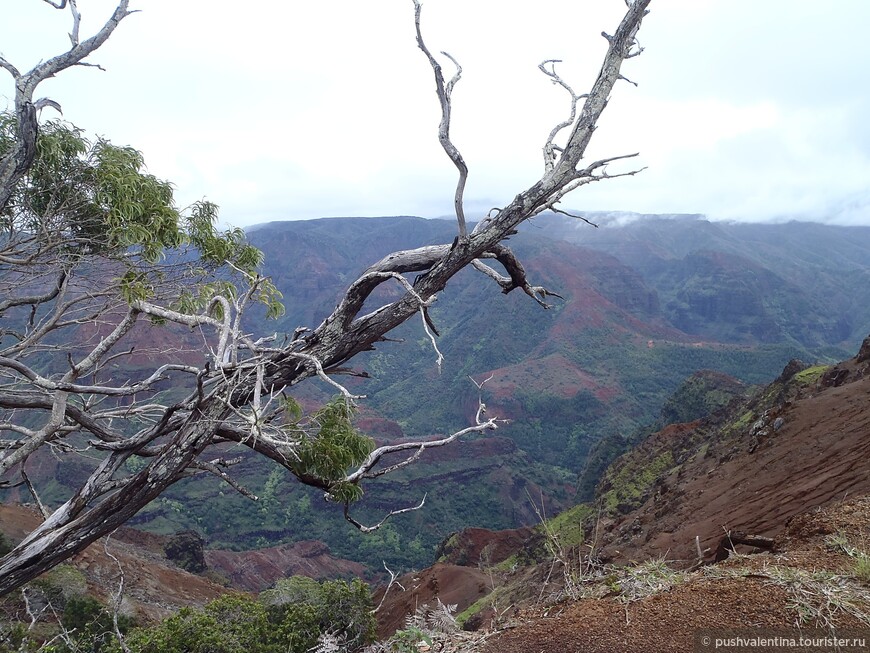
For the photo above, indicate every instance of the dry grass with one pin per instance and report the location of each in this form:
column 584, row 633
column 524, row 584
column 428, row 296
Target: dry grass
column 817, row 598
column 862, row 567
column 860, row 558
column 646, row 579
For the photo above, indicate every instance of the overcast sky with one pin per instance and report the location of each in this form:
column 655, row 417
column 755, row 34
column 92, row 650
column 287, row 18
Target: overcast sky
column 288, row 109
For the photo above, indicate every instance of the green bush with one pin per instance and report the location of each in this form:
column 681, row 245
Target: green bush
column 340, row 607
column 90, row 626
column 5, row 544
column 231, row 624
column 287, row 619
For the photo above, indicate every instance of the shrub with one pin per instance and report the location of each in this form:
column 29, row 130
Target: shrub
column 90, row 626
column 5, row 544
column 231, row 624
column 287, row 619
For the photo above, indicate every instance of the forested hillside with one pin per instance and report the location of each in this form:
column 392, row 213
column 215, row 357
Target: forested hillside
column 585, row 378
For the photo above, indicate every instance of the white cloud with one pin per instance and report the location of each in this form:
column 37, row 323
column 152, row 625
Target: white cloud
column 291, row 109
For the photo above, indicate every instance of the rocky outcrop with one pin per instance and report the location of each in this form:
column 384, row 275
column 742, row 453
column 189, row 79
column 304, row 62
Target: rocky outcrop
column 186, row 549
column 701, row 394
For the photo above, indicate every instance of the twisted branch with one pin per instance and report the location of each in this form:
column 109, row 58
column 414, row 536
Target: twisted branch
column 445, row 92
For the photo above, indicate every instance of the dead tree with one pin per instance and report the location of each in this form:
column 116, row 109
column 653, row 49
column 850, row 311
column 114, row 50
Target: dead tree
column 238, row 394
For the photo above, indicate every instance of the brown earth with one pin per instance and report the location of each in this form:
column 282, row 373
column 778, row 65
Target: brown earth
column 810, row 587
column 750, row 594
column 153, row 587
column 451, row 584
column 792, row 465
column 474, row 546
column 759, row 477
column 254, row 571
column 458, row 577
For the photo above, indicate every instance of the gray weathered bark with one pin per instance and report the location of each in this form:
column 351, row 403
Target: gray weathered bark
column 226, row 402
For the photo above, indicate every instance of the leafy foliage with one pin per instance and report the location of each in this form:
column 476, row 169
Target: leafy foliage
column 74, row 624
column 231, row 624
column 337, row 446
column 287, row 619
column 82, row 198
column 698, row 396
column 5, row 544
column 91, row 625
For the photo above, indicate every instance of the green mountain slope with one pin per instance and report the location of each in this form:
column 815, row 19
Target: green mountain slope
column 646, row 306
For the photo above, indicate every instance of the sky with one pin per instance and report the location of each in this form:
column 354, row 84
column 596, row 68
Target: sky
column 291, row 109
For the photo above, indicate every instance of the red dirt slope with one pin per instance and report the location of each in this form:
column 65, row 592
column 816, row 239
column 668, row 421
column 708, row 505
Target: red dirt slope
column 254, row 571
column 154, row 587
column 810, row 448
column 767, row 593
column 449, row 583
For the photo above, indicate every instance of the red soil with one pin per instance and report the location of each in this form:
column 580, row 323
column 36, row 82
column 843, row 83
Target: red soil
column 255, row 571
column 820, row 454
column 744, row 595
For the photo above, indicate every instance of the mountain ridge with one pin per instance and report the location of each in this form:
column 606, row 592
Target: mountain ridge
column 597, row 365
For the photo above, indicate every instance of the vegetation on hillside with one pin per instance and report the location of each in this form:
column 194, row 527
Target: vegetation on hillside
column 290, row 618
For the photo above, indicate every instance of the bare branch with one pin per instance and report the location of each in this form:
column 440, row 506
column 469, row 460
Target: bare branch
column 33, row 493
column 393, row 581
column 212, row 468
column 77, row 19
column 574, row 215
column 35, row 299
column 550, row 148
column 364, row 470
column 590, row 170
column 584, row 177
column 444, row 98
column 426, row 323
column 87, row 363
column 392, row 513
column 15, row 163
column 517, row 278
column 403, row 463
column 79, row 51
column 29, row 610
column 481, row 407
column 43, row 103
column 9, row 67
column 117, row 597
column 318, row 366
column 176, row 316
column 76, row 388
